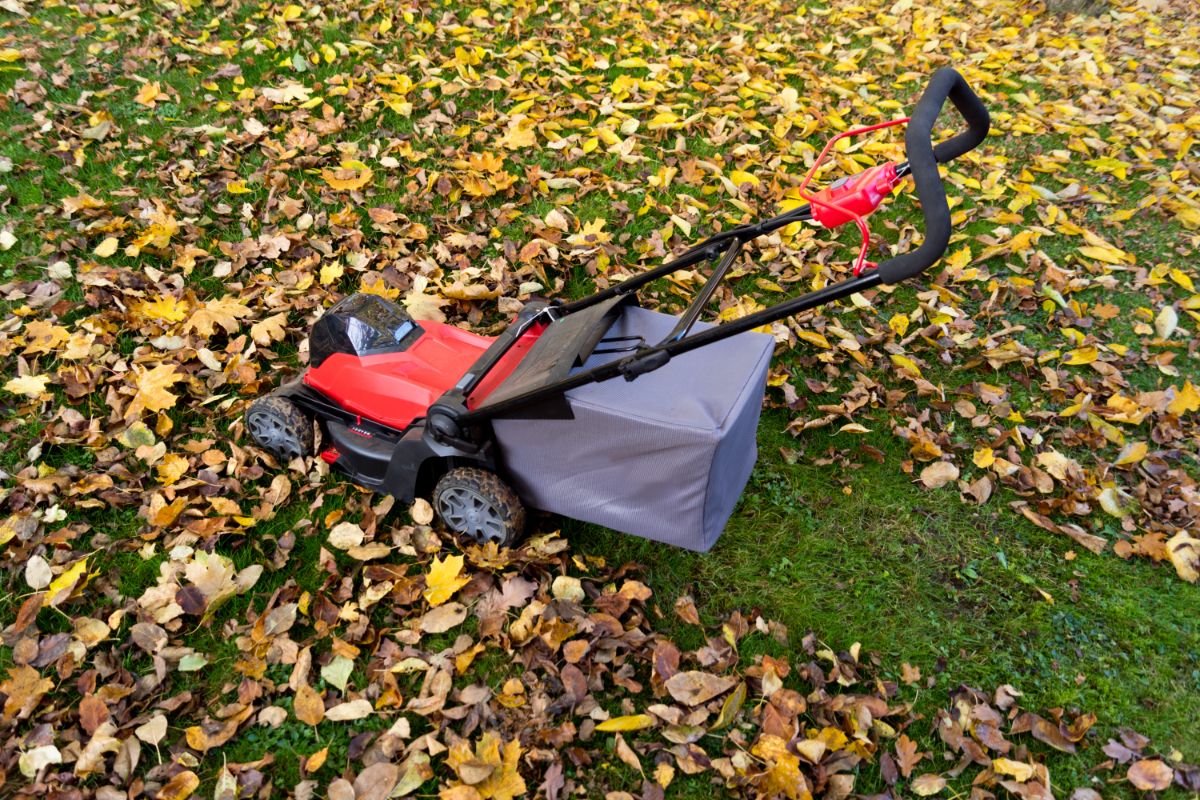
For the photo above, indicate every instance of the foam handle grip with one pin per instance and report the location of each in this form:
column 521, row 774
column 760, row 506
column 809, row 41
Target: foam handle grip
column 923, row 160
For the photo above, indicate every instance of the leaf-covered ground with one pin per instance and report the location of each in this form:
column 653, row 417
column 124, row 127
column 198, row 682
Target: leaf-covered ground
column 984, row 478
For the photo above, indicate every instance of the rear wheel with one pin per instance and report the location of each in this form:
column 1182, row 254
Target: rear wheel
column 477, row 504
column 277, row 425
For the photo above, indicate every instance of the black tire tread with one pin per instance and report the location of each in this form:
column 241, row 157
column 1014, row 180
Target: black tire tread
column 291, row 415
column 494, row 489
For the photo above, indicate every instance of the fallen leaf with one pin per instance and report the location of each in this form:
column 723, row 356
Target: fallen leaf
column 1150, row 775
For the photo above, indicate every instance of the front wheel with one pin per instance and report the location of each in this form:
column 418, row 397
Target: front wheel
column 279, row 426
column 477, row 504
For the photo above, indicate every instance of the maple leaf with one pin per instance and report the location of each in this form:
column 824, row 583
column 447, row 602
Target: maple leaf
column 782, row 775
column 24, row 688
column 443, row 580
column 162, row 227
column 149, row 94
column 166, row 308
column 491, row 768
column 289, row 92
column 28, row 385
column 350, row 176
column 271, row 329
column 43, row 336
column 152, row 390
column 224, row 313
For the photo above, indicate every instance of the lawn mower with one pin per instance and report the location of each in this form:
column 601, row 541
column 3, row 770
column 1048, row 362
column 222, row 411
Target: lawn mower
column 535, row 416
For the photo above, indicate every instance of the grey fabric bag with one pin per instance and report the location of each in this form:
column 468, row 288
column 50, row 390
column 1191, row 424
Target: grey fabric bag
column 665, row 456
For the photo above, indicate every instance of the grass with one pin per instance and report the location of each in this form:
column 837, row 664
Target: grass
column 921, row 578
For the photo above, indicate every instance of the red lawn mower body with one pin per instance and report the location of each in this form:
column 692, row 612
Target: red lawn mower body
column 396, row 388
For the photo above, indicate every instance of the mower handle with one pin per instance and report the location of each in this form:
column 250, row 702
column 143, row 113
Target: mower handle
column 923, row 160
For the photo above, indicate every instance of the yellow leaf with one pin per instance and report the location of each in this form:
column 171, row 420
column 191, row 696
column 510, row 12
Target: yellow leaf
column 1186, row 399
column 1110, row 501
column 350, row 176
column 519, row 135
column 224, row 312
column 853, row 427
column 316, row 760
column 1188, row 216
column 489, row 771
column 1109, row 255
column 1017, row 769
column 28, row 385
column 1111, row 166
column 171, row 468
column 1184, row 551
column 443, row 580
column 1082, row 355
column 958, row 259
column 308, row 706
column 152, row 386
column 106, row 248
column 634, row 722
column 271, row 329
column 331, row 272
column 61, row 587
column 899, row 324
column 10, row 54
column 166, row 308
column 149, row 94
column 731, row 707
column 1131, row 453
column 664, row 120
column 180, row 787
column 739, row 177
column 984, row 457
column 237, row 187
column 906, row 364
column 782, row 773
column 812, row 337
column 1183, row 279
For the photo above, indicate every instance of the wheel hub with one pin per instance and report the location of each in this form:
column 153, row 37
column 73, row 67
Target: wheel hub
column 470, row 513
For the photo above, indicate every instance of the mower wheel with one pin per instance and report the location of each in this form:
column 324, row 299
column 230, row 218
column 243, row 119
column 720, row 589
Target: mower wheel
column 277, row 425
column 477, row 504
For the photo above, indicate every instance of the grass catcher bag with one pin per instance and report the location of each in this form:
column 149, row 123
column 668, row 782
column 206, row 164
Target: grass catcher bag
column 664, row 456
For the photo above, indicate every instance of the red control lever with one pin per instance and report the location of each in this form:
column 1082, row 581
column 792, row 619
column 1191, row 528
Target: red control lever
column 853, row 197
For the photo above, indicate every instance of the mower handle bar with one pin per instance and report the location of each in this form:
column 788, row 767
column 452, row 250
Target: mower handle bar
column 923, row 160
column 922, row 164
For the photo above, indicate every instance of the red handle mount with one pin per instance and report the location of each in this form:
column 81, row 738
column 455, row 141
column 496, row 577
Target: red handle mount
column 853, row 197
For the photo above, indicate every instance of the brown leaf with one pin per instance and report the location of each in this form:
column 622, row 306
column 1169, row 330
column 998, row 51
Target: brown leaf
column 938, row 474
column 308, row 706
column 376, row 781
column 25, row 688
column 1150, row 775
column 928, row 784
column 907, row 756
column 695, row 687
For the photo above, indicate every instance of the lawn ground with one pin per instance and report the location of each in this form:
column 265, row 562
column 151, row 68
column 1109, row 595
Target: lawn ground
column 184, row 186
